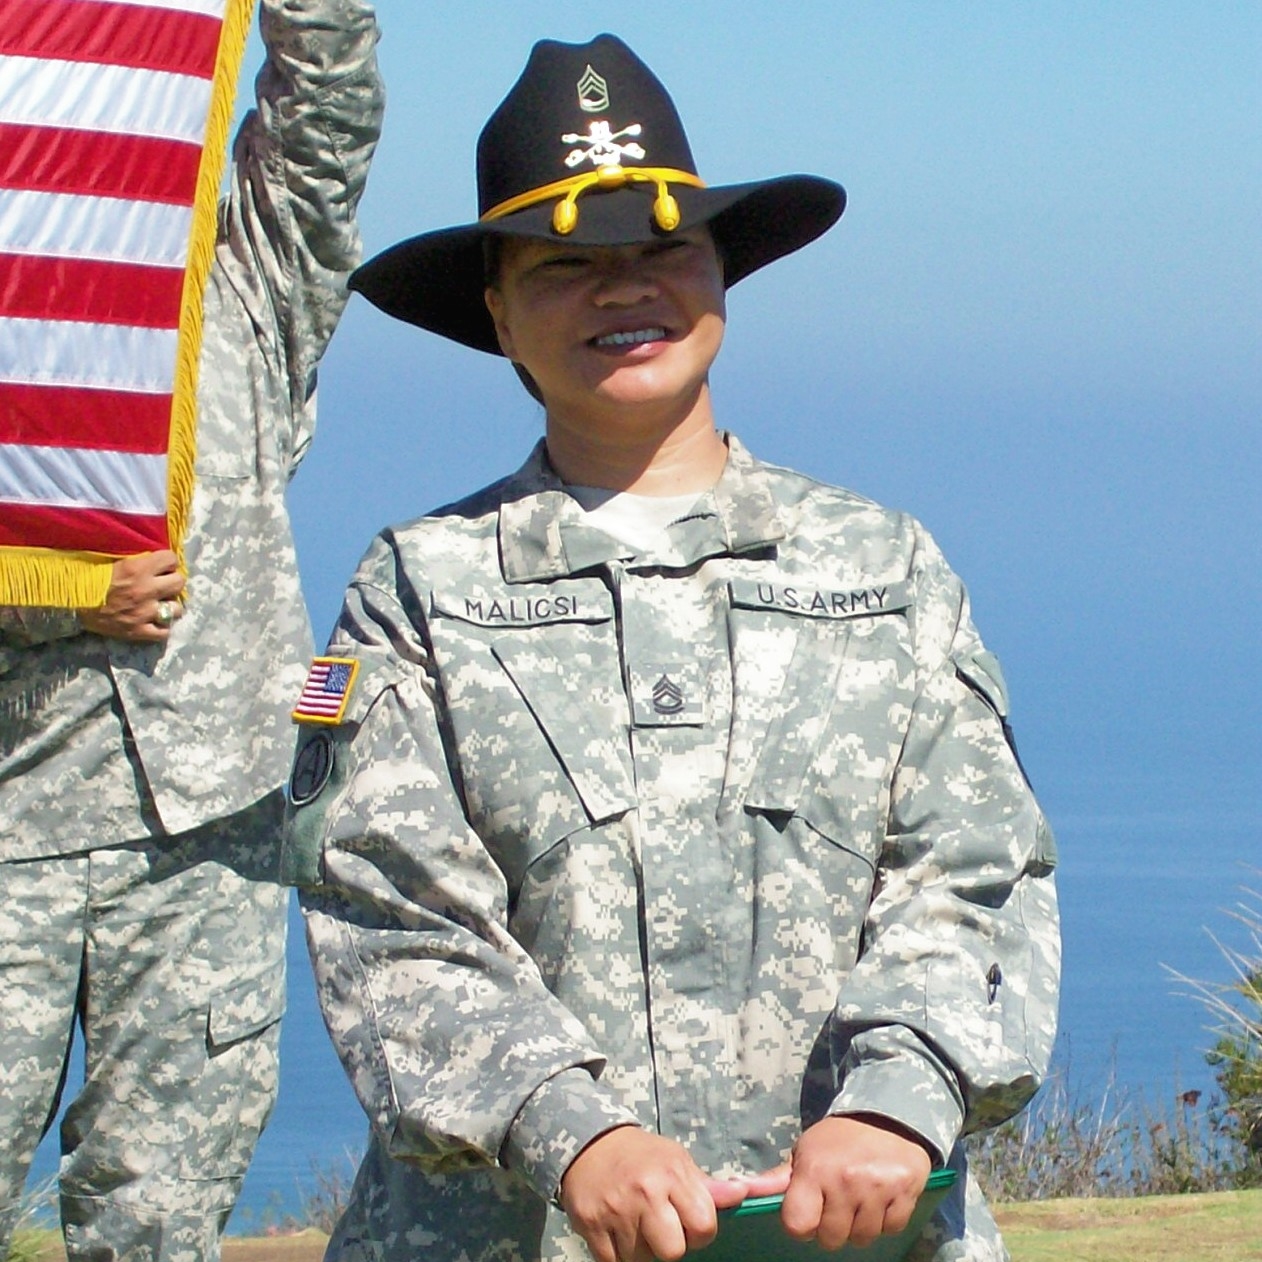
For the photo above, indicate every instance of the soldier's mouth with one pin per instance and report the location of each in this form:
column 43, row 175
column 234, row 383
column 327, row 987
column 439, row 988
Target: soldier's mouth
column 632, row 337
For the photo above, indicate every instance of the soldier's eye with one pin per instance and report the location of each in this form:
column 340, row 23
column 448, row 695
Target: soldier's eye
column 670, row 246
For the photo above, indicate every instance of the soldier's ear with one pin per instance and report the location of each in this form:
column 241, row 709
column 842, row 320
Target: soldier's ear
column 496, row 306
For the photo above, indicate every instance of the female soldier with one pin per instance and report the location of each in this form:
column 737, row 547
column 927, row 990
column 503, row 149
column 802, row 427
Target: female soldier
column 661, row 835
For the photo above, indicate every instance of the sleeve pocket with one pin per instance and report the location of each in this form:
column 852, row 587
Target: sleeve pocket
column 320, row 773
column 981, row 672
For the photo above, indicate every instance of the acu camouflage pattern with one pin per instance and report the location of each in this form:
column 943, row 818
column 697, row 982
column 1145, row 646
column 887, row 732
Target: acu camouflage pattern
column 718, row 840
column 181, row 1031
column 204, row 721
column 140, row 801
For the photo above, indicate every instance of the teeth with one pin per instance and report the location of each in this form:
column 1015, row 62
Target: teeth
column 631, row 339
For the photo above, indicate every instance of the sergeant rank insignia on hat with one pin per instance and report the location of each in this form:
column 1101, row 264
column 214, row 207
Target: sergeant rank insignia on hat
column 593, row 93
column 327, row 691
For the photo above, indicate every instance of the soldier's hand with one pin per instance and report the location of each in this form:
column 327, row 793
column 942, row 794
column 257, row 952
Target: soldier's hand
column 852, row 1180
column 143, row 601
column 634, row 1196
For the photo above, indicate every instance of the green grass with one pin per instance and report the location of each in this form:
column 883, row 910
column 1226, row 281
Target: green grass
column 34, row 1244
column 1208, row 1227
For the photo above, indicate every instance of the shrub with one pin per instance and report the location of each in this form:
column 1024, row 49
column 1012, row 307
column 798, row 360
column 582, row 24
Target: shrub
column 1068, row 1146
column 1235, row 1008
column 327, row 1195
column 322, row 1198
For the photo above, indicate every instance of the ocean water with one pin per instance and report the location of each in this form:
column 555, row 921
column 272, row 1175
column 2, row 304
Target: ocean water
column 1141, row 889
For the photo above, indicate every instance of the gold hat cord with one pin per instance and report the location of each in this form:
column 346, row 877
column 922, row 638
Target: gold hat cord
column 565, row 213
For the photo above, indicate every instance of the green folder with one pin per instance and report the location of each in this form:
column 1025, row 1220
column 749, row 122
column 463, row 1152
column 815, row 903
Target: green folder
column 752, row 1233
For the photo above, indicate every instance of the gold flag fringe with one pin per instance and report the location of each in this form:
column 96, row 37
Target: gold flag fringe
column 182, row 446
column 66, row 580
column 80, row 580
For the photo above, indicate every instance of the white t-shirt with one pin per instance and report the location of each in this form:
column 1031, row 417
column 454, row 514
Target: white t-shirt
column 636, row 520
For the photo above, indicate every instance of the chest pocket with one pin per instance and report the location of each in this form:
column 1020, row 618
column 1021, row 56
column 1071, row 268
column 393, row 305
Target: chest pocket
column 537, row 714
column 836, row 676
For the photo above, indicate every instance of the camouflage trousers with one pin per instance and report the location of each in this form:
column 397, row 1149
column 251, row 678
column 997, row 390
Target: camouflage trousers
column 169, row 954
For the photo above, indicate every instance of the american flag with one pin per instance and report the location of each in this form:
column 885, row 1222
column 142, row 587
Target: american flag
column 327, row 690
column 113, row 126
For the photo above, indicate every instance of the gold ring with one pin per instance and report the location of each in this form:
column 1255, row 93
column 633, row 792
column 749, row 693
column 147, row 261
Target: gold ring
column 166, row 613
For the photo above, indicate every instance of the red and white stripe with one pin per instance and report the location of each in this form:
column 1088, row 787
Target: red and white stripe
column 103, row 112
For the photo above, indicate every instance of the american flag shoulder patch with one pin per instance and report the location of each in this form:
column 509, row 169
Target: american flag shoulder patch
column 327, row 691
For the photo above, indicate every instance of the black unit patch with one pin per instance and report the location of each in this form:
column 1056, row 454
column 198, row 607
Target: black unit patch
column 312, row 769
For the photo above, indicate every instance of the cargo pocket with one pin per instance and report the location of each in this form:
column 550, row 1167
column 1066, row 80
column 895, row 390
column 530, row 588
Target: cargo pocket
column 227, row 1104
column 244, row 1009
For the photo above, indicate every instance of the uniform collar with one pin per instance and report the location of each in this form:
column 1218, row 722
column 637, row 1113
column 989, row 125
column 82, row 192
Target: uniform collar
column 543, row 532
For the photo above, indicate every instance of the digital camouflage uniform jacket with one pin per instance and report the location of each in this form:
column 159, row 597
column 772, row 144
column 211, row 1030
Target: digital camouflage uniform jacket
column 95, row 734
column 719, row 840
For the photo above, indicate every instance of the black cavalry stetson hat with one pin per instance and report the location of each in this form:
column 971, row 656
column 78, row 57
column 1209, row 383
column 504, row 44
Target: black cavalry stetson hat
column 588, row 148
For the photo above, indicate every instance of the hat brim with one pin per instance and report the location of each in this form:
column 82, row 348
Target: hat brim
column 437, row 280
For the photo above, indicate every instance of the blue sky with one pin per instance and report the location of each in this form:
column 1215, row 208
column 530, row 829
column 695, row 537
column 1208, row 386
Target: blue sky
column 1037, row 327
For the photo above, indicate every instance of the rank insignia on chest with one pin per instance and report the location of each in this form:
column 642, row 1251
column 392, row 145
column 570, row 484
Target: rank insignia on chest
column 667, row 695
column 327, row 691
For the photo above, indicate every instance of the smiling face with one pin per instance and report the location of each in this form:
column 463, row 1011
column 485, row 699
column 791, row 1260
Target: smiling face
column 619, row 339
